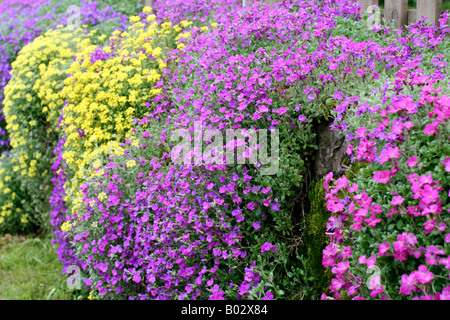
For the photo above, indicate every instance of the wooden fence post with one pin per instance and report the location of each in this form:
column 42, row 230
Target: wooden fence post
column 430, row 8
column 396, row 11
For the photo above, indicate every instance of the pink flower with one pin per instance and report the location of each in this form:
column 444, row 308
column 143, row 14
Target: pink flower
column 447, row 238
column 389, row 153
column 430, row 225
column 408, row 124
column 256, row 225
column 397, row 200
column 362, row 259
column 251, row 205
column 412, row 162
column 341, row 267
column 282, row 110
column 408, row 284
column 430, row 129
column 267, row 246
column 329, row 254
column 431, row 256
column 217, row 294
column 397, row 129
column 382, row 176
column 371, row 261
column 383, row 248
column 375, row 286
column 446, row 162
column 184, row 185
column 423, row 276
column 268, row 296
column 445, row 295
column 429, row 195
column 366, row 150
column 349, row 149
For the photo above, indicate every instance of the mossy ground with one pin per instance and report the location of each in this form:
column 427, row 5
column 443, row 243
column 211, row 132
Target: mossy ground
column 315, row 239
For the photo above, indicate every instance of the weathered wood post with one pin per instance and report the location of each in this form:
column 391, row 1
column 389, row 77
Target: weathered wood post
column 430, row 8
column 396, row 11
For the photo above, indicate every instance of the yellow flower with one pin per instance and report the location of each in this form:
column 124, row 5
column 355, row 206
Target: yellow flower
column 24, row 219
column 135, row 19
column 66, row 226
column 131, row 163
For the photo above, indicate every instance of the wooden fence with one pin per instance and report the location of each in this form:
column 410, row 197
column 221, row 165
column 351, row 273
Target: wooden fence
column 398, row 12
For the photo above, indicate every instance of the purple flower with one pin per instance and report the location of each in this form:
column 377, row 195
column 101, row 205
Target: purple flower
column 301, row 118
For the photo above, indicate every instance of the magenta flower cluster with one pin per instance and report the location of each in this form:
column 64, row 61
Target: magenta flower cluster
column 400, row 204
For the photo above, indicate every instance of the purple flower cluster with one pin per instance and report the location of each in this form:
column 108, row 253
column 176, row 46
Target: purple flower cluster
column 64, row 249
column 170, row 238
column 195, row 10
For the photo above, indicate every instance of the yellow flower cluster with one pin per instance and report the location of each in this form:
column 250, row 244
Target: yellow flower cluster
column 109, row 86
column 32, row 108
column 11, row 212
column 33, row 94
column 66, row 226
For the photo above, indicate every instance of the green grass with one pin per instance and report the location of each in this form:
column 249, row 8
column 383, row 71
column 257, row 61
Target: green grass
column 30, row 269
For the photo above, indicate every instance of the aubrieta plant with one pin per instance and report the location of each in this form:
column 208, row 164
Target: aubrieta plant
column 389, row 228
column 152, row 199
column 196, row 11
column 217, row 230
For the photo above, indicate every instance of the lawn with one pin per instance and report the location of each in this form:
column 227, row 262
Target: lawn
column 30, row 269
